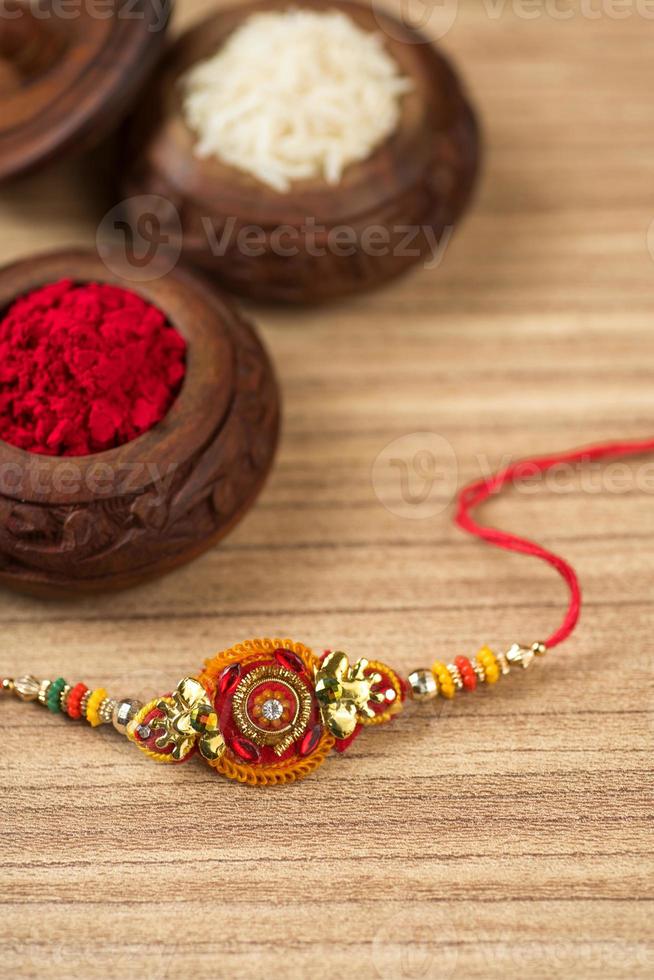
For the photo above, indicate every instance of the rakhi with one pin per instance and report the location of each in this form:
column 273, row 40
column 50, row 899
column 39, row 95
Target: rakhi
column 269, row 711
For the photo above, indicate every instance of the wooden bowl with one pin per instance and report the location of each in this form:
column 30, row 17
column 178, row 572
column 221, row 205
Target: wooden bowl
column 421, row 177
column 66, row 81
column 91, row 523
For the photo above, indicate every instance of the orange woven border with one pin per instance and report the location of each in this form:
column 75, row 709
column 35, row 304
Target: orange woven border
column 248, row 651
column 292, row 769
column 286, row 772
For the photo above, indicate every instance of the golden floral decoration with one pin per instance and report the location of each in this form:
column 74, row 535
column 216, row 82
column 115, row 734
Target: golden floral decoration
column 189, row 719
column 346, row 694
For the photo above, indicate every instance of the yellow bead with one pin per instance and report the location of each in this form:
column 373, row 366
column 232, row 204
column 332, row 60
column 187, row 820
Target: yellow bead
column 93, row 707
column 486, row 656
column 490, row 665
column 446, row 686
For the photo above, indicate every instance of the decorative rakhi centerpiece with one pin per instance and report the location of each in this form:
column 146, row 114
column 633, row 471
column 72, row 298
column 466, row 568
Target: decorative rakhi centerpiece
column 268, row 711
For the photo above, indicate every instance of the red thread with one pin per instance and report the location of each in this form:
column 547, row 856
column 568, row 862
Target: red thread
column 85, row 368
column 476, row 493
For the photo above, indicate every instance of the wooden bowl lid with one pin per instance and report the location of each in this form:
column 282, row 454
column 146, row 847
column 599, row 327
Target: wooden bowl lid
column 64, row 82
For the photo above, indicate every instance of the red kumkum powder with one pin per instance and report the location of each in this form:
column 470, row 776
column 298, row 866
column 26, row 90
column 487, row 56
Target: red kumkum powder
column 85, row 368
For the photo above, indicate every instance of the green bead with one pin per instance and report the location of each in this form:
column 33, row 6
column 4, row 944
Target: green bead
column 53, row 702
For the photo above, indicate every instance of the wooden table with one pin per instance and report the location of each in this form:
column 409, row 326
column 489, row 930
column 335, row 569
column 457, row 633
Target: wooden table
column 509, row 833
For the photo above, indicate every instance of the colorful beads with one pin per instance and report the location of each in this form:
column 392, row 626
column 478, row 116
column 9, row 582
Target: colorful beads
column 93, row 707
column 487, row 659
column 74, row 701
column 445, row 681
column 467, row 672
column 53, row 698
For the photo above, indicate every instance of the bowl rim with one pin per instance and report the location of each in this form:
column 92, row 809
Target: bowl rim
column 222, row 188
column 81, row 92
column 205, row 321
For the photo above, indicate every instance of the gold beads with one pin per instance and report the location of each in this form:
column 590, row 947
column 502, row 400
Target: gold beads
column 63, row 698
column 455, row 674
column 423, row 685
column 524, row 656
column 27, row 688
column 8, row 685
column 42, row 695
column 123, row 711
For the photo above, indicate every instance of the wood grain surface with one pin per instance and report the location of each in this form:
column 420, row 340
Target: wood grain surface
column 508, row 833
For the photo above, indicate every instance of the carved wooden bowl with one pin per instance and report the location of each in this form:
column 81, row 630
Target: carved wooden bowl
column 91, row 523
column 420, row 178
column 68, row 76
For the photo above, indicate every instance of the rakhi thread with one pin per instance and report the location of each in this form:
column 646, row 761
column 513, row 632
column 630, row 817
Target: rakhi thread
column 269, row 711
column 476, row 493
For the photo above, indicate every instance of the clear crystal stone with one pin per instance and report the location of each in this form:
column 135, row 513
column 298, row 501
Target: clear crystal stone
column 272, row 710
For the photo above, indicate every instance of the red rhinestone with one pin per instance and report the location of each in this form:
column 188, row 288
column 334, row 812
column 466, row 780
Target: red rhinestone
column 310, row 740
column 247, row 750
column 290, row 660
column 229, row 679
